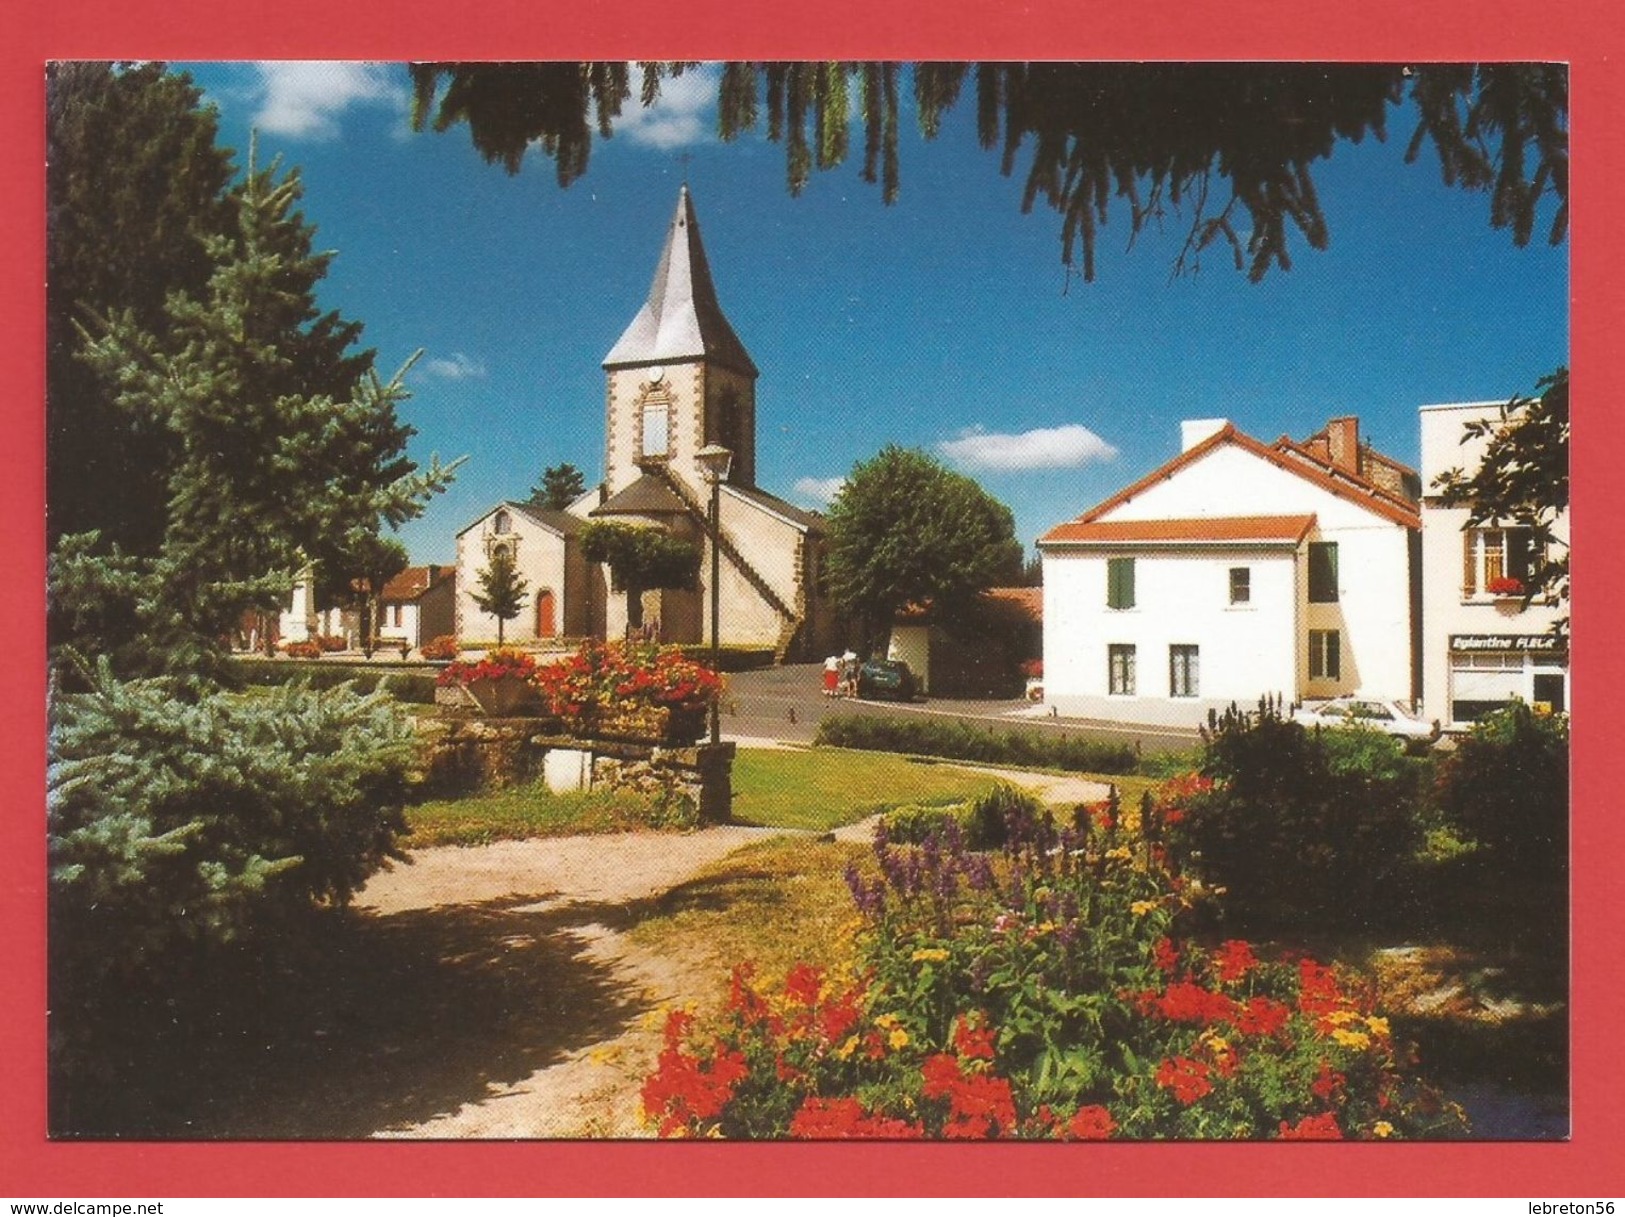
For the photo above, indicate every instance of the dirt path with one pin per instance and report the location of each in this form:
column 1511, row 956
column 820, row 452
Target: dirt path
column 580, row 890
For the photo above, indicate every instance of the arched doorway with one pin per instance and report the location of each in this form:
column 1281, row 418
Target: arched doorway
column 546, row 623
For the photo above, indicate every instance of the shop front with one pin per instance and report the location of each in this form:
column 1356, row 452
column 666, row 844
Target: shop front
column 1489, row 670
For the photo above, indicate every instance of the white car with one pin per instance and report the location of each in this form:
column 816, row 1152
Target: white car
column 1378, row 713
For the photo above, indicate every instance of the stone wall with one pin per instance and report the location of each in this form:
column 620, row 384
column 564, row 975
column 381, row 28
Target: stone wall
column 462, row 753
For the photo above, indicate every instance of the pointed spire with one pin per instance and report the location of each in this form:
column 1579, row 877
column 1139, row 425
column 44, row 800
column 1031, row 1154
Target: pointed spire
column 682, row 319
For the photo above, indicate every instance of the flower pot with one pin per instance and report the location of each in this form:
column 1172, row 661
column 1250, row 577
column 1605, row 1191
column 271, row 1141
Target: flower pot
column 643, row 724
column 503, row 697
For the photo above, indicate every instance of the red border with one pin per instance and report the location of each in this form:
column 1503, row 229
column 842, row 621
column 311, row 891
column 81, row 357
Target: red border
column 1586, row 35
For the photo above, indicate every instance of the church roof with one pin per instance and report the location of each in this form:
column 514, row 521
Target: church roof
column 682, row 319
column 805, row 520
column 649, row 495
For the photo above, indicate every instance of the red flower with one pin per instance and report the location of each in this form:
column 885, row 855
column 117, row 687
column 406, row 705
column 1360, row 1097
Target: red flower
column 1191, row 1003
column 1312, row 1128
column 979, row 1105
column 1187, row 1078
column 1327, row 1082
column 1092, row 1123
column 839, row 1119
column 803, row 983
column 839, row 1017
column 1318, row 992
column 1262, row 1016
column 973, row 1043
column 684, row 1091
column 1234, row 960
column 1164, row 955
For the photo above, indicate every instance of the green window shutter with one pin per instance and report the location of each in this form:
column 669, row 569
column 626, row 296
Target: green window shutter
column 1120, row 583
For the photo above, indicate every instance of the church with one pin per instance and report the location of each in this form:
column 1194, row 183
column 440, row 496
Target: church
column 678, row 380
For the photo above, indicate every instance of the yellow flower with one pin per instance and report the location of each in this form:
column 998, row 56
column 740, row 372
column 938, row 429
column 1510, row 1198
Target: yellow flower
column 886, row 1020
column 930, row 955
column 1382, row 1129
column 1047, row 927
column 1338, row 1017
column 848, row 1048
column 1352, row 1039
column 898, row 1038
column 1141, row 907
column 1121, row 853
column 1379, row 1026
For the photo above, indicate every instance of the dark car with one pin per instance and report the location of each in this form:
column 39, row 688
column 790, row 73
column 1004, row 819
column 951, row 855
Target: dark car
column 888, row 678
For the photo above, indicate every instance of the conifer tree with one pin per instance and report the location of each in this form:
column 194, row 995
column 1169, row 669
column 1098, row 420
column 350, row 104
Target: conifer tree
column 560, row 486
column 502, row 591
column 286, row 446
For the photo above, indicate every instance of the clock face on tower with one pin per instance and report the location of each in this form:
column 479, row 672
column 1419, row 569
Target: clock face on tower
column 656, row 375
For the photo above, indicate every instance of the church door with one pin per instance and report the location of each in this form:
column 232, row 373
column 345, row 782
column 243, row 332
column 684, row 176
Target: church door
column 546, row 627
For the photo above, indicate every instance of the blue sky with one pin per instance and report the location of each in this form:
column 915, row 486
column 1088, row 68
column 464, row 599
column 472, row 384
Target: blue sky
column 944, row 322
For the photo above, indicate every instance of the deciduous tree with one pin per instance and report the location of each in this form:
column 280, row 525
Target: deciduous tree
column 905, row 530
column 640, row 559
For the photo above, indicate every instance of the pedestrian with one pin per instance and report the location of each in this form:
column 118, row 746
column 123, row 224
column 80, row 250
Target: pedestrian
column 832, row 675
column 849, row 674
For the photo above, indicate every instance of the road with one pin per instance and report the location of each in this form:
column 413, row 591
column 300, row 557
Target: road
column 787, row 703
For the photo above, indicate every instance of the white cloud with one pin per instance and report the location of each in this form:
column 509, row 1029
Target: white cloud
column 819, row 490
column 458, row 367
column 1063, row 447
column 304, row 100
column 681, row 115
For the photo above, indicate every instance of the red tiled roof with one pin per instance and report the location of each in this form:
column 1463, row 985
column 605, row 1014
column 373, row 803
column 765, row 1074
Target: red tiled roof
column 413, row 582
column 1030, row 600
column 1355, row 490
column 1211, row 528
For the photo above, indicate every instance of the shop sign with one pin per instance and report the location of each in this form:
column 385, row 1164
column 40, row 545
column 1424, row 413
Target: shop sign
column 1534, row 644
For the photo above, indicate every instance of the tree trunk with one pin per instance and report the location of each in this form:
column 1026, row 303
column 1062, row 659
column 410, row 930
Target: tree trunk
column 634, row 608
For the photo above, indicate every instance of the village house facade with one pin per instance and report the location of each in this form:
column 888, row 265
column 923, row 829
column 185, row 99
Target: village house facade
column 1481, row 646
column 1237, row 570
column 546, row 552
column 677, row 380
column 417, row 605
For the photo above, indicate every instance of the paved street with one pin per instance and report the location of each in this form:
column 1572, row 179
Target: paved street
column 787, row 703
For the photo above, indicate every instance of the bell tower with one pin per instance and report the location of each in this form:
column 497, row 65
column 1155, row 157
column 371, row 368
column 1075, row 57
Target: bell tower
column 679, row 378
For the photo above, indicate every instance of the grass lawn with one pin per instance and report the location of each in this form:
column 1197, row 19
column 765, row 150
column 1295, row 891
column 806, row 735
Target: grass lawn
column 823, row 788
column 519, row 812
column 775, row 904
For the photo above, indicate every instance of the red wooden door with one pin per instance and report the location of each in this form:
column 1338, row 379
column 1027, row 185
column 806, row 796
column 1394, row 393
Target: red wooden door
column 546, row 627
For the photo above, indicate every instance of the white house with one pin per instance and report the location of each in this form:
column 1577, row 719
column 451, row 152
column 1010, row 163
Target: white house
column 1235, row 570
column 1480, row 646
column 416, row 606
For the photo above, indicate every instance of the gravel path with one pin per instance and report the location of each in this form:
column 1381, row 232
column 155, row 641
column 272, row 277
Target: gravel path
column 584, row 885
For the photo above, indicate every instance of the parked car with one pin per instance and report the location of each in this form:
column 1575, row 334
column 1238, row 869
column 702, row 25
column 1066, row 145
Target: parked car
column 1378, row 713
column 888, row 678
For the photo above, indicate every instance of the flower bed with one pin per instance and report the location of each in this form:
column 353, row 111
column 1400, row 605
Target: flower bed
column 1041, row 991
column 628, row 691
column 502, row 683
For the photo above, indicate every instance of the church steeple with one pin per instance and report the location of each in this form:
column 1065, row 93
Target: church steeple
column 682, row 319
column 679, row 378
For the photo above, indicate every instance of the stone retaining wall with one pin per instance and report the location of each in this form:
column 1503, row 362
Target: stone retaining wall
column 462, row 753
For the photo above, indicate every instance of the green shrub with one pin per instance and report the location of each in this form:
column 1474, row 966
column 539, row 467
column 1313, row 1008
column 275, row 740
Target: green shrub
column 1507, row 786
column 1299, row 823
column 913, row 823
column 178, row 826
column 963, row 741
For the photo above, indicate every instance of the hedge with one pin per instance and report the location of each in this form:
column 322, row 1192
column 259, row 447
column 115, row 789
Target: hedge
column 957, row 740
column 414, row 684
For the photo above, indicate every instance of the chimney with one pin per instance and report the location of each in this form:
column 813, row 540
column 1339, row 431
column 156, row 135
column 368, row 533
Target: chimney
column 1343, row 444
column 1193, row 431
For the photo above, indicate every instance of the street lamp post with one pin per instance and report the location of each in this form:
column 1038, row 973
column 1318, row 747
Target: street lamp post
column 715, row 460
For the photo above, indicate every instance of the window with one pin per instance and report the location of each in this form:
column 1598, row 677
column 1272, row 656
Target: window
column 1120, row 583
column 656, row 440
column 503, row 524
column 1325, row 655
column 1494, row 559
column 1323, row 572
column 1120, row 664
column 1241, row 584
column 395, row 615
column 1182, row 671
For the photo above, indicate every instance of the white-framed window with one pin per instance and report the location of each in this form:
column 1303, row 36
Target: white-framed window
column 1495, row 561
column 395, row 615
column 1184, row 677
column 1120, row 583
column 1325, row 655
column 655, row 434
column 1241, row 585
column 1120, row 668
